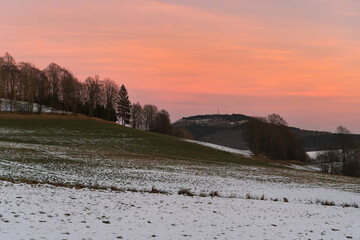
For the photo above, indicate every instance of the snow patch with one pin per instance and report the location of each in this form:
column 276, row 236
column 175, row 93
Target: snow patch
column 246, row 153
column 19, row 106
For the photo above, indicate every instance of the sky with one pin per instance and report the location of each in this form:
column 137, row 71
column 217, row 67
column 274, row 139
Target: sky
column 298, row 58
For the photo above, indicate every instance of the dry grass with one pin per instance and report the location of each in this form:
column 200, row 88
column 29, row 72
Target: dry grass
column 186, row 192
column 214, row 194
column 325, row 202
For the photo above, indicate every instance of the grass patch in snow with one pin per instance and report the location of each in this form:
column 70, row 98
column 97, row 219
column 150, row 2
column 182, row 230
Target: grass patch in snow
column 84, row 133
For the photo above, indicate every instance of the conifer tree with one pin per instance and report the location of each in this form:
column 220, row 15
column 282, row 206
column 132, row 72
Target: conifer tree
column 124, row 105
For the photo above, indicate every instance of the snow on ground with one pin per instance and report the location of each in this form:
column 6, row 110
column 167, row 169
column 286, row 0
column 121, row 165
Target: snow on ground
column 19, row 106
column 313, row 168
column 28, row 211
column 313, row 154
column 92, row 169
column 247, row 153
column 46, row 212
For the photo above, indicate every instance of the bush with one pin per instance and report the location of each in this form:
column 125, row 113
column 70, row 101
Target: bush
column 214, row 194
column 186, row 192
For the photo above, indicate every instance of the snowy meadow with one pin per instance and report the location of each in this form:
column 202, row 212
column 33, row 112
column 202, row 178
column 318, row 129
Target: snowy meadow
column 75, row 178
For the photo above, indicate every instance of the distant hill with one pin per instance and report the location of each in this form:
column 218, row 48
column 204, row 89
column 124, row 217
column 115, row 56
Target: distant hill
column 225, row 130
column 229, row 131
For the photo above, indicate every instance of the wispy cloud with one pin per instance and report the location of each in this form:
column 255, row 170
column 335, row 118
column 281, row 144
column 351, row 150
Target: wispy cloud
column 300, row 48
column 163, row 4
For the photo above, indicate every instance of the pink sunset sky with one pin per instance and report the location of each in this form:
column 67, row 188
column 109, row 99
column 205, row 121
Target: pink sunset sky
column 298, row 58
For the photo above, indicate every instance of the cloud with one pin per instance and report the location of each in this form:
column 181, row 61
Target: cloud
column 161, row 3
column 195, row 48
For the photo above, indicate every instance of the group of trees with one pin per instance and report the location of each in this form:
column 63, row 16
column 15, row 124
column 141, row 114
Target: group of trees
column 58, row 88
column 344, row 158
column 24, row 85
column 149, row 118
column 271, row 137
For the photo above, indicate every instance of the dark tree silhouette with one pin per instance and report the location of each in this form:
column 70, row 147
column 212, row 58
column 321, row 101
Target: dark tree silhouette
column 93, row 89
column 162, row 123
column 149, row 113
column 272, row 138
column 54, row 74
column 111, row 96
column 136, row 115
column 123, row 105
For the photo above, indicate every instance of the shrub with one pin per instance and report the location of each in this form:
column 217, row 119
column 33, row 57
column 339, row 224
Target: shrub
column 214, row 194
column 186, row 192
column 203, row 195
column 325, row 202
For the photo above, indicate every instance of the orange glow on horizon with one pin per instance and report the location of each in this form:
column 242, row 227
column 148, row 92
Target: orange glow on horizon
column 300, row 59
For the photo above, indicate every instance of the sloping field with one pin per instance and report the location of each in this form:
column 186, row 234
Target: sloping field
column 76, row 152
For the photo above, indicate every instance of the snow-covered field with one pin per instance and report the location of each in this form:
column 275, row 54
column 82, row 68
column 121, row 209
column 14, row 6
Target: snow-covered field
column 230, row 180
column 292, row 206
column 46, row 212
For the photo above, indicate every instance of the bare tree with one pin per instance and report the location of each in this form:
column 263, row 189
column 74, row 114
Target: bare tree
column 162, row 123
column 111, row 96
column 70, row 91
column 346, row 143
column 42, row 91
column 93, row 93
column 54, row 73
column 149, row 112
column 276, row 119
column 136, row 116
column 29, row 82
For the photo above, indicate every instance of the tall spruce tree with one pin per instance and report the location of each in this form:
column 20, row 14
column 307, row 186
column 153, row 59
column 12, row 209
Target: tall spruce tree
column 124, row 105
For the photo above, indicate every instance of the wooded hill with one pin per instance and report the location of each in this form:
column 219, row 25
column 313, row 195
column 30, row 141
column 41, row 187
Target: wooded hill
column 229, row 130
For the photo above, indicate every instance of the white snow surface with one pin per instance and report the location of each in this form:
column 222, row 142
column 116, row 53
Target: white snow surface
column 247, row 153
column 312, row 168
column 16, row 106
column 313, row 154
column 47, row 212
column 230, row 180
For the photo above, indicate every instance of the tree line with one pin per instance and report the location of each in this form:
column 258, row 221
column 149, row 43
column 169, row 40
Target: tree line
column 24, row 85
column 55, row 87
column 150, row 118
column 342, row 158
column 271, row 137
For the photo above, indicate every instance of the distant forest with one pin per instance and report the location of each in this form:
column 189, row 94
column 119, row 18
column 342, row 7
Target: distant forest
column 272, row 138
column 58, row 87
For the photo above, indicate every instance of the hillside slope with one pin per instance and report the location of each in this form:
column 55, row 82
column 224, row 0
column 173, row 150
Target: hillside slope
column 229, row 131
column 92, row 134
column 59, row 149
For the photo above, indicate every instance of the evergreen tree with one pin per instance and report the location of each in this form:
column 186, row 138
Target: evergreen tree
column 124, row 105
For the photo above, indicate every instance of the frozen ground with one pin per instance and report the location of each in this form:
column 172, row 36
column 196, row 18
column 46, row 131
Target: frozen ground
column 46, row 212
column 91, row 168
column 60, row 156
